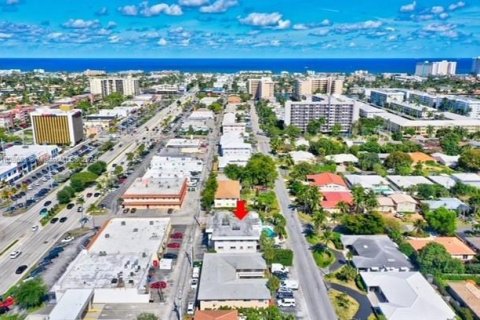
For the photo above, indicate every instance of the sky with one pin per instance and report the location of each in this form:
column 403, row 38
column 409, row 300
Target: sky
column 240, row 28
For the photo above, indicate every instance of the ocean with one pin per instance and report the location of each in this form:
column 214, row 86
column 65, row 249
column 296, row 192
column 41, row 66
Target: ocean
column 224, row 65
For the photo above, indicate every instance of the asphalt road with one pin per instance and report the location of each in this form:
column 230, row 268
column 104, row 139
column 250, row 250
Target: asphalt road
column 35, row 244
column 310, row 279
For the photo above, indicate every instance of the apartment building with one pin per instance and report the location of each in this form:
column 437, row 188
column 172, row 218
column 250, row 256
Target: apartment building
column 318, row 85
column 57, row 126
column 234, row 150
column 476, row 66
column 127, row 86
column 334, row 109
column 262, row 88
column 382, row 97
column 438, row 68
column 230, row 124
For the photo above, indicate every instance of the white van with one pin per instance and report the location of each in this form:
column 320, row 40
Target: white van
column 287, row 302
column 196, row 273
column 190, row 308
column 290, row 284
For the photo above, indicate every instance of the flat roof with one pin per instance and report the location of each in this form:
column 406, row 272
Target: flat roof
column 24, row 151
column 156, row 186
column 224, row 225
column 408, row 181
column 71, row 305
column 367, row 181
column 220, row 278
column 124, row 248
column 176, row 142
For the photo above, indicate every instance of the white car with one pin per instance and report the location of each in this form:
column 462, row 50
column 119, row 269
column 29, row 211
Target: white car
column 190, row 308
column 15, row 254
column 67, row 239
column 194, row 283
column 34, row 228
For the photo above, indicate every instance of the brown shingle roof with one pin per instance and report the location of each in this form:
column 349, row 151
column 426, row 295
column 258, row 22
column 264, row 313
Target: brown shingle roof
column 228, row 189
column 453, row 245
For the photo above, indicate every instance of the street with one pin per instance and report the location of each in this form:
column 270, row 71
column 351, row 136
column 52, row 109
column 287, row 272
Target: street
column 310, row 280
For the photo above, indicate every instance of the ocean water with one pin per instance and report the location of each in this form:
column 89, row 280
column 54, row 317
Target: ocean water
column 225, row 65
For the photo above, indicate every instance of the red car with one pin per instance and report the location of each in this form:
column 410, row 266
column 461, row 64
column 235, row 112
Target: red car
column 174, row 245
column 176, row 235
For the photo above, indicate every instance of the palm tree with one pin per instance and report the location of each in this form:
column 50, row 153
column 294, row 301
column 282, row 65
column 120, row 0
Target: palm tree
column 419, row 225
column 358, row 193
column 80, row 200
column 309, row 199
column 318, row 218
column 371, row 201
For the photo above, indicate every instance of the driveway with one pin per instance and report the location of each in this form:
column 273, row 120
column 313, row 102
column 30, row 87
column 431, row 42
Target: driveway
column 365, row 309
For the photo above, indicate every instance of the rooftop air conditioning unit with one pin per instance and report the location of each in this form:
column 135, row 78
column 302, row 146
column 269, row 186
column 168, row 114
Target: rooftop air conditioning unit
column 135, row 229
column 107, row 235
column 123, row 223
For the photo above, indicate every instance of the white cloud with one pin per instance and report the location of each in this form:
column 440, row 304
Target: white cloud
column 352, row 27
column 409, row 7
column 437, row 9
column 456, row 5
column 5, row 35
column 326, row 22
column 128, row 10
column 319, row 33
column 443, row 15
column 114, row 39
column 103, row 11
column 162, row 42
column 54, row 35
column 11, row 2
column 155, row 10
column 271, row 43
column 300, row 26
column 219, row 6
column 192, row 3
column 185, row 42
column 392, row 38
column 268, row 20
column 439, row 27
column 81, row 24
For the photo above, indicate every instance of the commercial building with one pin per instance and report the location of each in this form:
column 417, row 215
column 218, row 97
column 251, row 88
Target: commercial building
column 234, row 280
column 453, row 245
column 28, row 157
column 227, row 194
column 405, row 296
column 156, row 193
column 416, row 111
column 174, row 167
column 423, row 98
column 116, row 263
column 438, row 68
column 96, row 124
column 375, row 253
column 234, row 150
column 201, row 114
column 336, row 110
column 318, row 85
column 73, row 305
column 228, row 234
column 9, row 172
column 383, row 97
column 127, row 86
column 55, row 126
column 230, row 124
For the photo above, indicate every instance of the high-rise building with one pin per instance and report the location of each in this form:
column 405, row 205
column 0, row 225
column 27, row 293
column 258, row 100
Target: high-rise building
column 382, row 97
column 57, row 126
column 321, row 85
column 261, row 88
column 333, row 109
column 127, row 86
column 438, row 68
column 476, row 66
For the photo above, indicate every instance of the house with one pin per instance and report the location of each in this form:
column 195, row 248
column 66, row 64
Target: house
column 228, row 234
column 227, row 194
column 301, row 156
column 443, row 180
column 216, row 315
column 473, row 242
column 406, row 182
column 471, row 179
column 405, row 296
column 327, row 181
column 375, row 253
column 233, row 280
column 467, row 294
column 404, row 203
column 331, row 200
column 449, row 203
column 342, row 158
column 385, row 205
column 453, row 245
column 449, row 161
column 371, row 182
column 420, row 157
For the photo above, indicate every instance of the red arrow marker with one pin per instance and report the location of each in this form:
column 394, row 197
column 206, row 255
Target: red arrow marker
column 241, row 211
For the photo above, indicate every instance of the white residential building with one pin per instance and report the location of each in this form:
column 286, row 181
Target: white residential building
column 382, row 97
column 127, row 86
column 234, row 150
column 437, row 68
column 230, row 124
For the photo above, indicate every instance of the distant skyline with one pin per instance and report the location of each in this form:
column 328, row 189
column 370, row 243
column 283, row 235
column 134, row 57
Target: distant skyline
column 239, row 29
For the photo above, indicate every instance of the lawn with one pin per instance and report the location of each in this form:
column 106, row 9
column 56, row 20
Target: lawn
column 323, row 258
column 345, row 306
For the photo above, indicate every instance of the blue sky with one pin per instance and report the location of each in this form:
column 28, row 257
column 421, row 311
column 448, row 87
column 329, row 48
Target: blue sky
column 240, row 28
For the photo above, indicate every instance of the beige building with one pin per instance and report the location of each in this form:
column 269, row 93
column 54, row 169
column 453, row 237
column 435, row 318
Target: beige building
column 233, row 280
column 150, row 193
column 323, row 85
column 263, row 88
column 127, row 86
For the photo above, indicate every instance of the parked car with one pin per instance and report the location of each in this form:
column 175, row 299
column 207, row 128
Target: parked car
column 15, row 254
column 80, row 209
column 287, row 303
column 54, row 220
column 174, row 245
column 194, row 284
column 126, row 210
column 67, row 239
column 34, row 228
column 96, row 194
column 170, row 255
column 89, row 195
column 170, row 211
column 47, row 203
column 21, row 269
column 70, row 206
column 190, row 308
column 63, row 219
column 133, row 210
column 176, row 235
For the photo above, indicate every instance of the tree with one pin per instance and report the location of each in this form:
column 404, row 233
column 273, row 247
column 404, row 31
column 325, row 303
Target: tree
column 216, row 107
column 470, row 160
column 118, row 170
column 273, row 283
column 314, row 126
column 369, row 223
column 98, row 167
column 347, row 273
column 336, row 129
column 233, row 171
column 368, row 160
column 309, row 198
column 84, row 105
column 30, row 294
column 434, row 259
column 114, row 100
column 398, row 161
column 208, row 193
column 79, row 181
column 260, row 170
column 147, row 316
column 450, row 143
column 318, row 218
column 431, row 191
column 292, row 132
column 265, row 201
column 442, row 220
column 63, row 196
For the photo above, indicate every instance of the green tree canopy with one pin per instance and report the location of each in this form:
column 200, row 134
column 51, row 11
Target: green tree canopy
column 260, row 170
column 147, row 316
column 98, row 167
column 30, row 294
column 114, row 99
column 369, row 223
column 233, row 171
column 470, row 160
column 442, row 220
column 434, row 259
column 79, row 181
column 398, row 161
column 368, row 160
